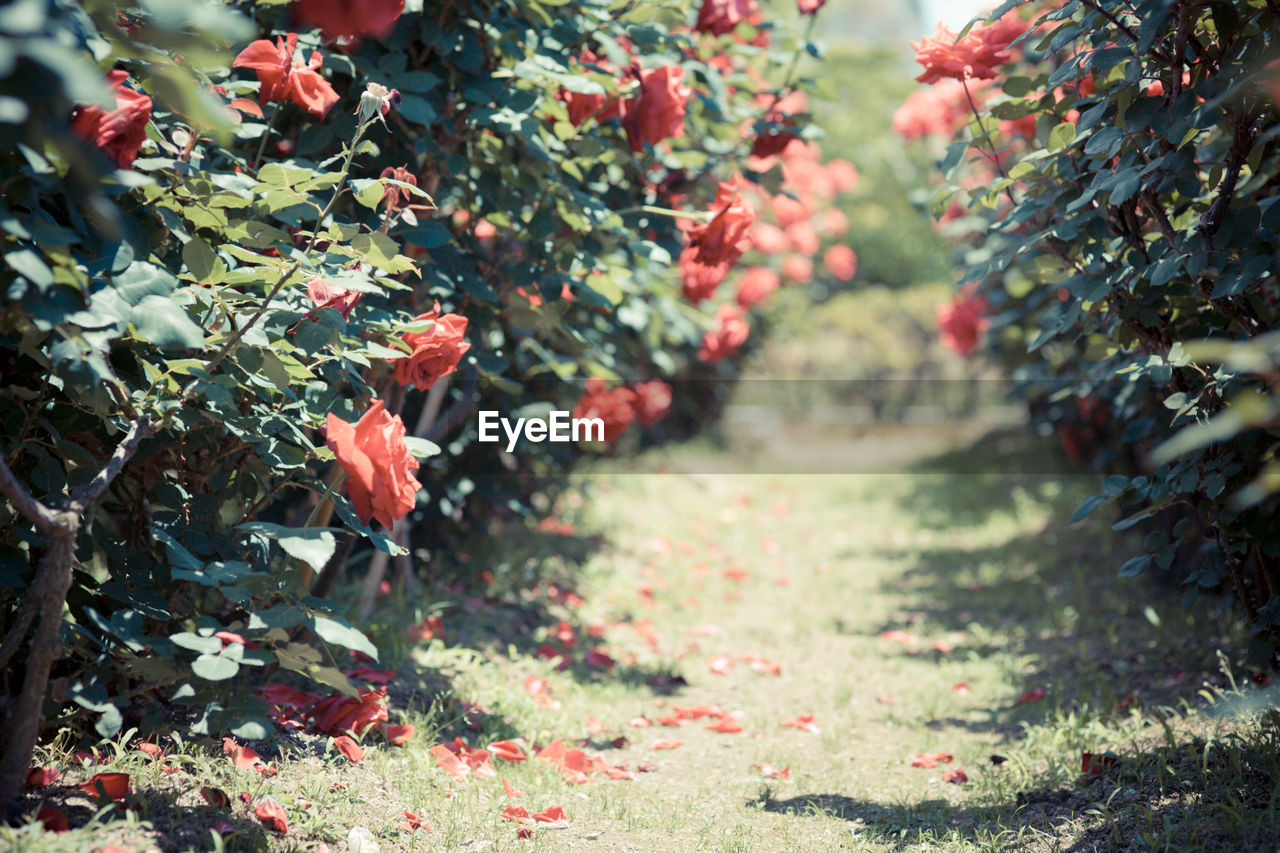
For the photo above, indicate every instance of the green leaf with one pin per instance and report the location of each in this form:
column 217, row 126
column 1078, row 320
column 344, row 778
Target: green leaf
column 214, row 667
column 312, row 545
column 1062, row 136
column 1086, row 508
column 164, row 323
column 1136, row 566
column 197, row 643
column 335, row 629
column 202, row 262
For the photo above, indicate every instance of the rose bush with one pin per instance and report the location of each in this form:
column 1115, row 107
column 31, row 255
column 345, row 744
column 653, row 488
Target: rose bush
column 259, row 262
column 1115, row 187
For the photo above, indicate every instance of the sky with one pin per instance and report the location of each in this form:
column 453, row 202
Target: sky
column 954, row 13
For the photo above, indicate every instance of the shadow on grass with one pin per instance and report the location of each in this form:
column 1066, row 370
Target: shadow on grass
column 524, row 602
column 1051, row 597
column 1223, row 796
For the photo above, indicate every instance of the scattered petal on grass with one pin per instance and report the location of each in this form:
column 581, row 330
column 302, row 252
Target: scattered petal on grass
column 962, row 688
column 524, row 833
column 1091, row 763
column 803, row 722
column 412, row 822
column 955, row 777
column 666, row 744
column 594, row 726
column 770, row 770
column 114, row 785
column 767, row 667
column 942, row 647
column 40, row 777
column 1034, row 695
column 216, row 797
column 398, row 735
column 932, row 759
column 511, row 791
column 640, row 722
column 725, row 725
column 448, row 761
column 519, row 814
column 720, row 664
column 896, row 636
column 349, row 748
column 271, row 815
column 151, row 750
column 243, row 757
column 887, row 699
column 54, row 820
column 507, row 750
column 736, row 575
column 599, row 660
column 554, row 814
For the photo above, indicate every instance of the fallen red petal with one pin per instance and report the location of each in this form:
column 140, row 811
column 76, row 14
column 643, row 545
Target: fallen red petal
column 271, row 815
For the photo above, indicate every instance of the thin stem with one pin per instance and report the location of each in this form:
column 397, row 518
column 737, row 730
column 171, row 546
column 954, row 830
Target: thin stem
column 266, row 134
column 700, row 215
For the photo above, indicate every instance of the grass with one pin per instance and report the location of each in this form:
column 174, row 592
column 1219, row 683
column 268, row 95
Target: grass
column 983, row 565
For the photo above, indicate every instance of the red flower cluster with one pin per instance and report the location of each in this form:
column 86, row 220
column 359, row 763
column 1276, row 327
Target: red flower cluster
column 379, row 467
column 656, row 112
column 841, row 261
column 648, row 403
column 349, row 18
column 282, row 78
column 756, row 284
column 728, row 336
column 719, row 17
column 976, row 56
column 582, row 106
column 616, row 408
column 436, row 352
column 118, row 132
column 940, row 110
column 962, row 323
column 715, row 246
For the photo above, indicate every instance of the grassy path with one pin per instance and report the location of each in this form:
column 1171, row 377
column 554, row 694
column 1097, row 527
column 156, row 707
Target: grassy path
column 908, row 613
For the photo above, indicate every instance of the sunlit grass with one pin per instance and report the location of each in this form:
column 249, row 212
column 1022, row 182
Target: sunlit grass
column 984, row 564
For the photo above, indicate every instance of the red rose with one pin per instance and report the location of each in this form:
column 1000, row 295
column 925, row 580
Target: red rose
column 379, row 467
column 699, row 280
column 119, row 132
column 976, row 56
column 723, row 16
column 652, row 401
column 721, row 239
column 940, row 110
column 756, row 284
column 351, row 18
column 327, row 296
column 798, row 268
column 715, row 246
column 657, row 110
column 810, row 7
column 841, row 261
column 962, row 323
column 582, row 106
column 728, row 336
column 436, row 353
column 282, row 78
column 616, row 408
